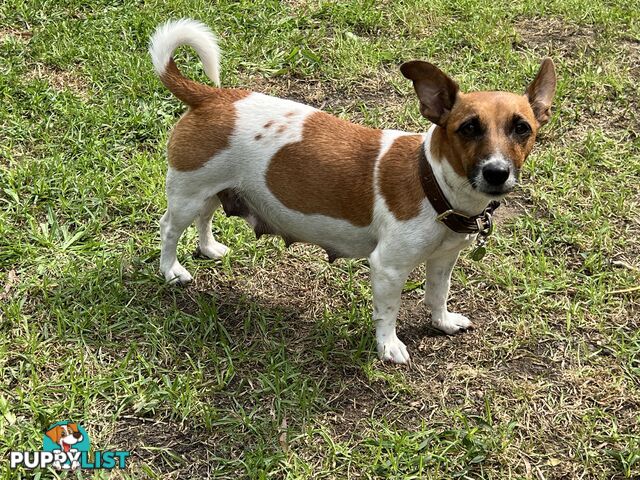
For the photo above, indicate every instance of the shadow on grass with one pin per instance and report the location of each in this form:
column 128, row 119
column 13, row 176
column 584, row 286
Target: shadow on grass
column 251, row 369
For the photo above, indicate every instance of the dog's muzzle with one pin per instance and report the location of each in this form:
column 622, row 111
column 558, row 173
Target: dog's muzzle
column 495, row 176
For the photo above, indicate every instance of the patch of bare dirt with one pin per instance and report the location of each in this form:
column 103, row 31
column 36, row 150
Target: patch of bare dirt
column 631, row 229
column 631, row 48
column 298, row 4
column 170, row 446
column 60, row 79
column 512, row 207
column 22, row 36
column 554, row 37
column 616, row 115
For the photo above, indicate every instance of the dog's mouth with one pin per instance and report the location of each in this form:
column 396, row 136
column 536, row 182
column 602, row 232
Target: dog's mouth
column 492, row 190
column 500, row 192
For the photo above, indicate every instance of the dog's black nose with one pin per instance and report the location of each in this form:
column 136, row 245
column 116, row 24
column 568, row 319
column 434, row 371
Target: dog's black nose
column 495, row 173
column 77, row 435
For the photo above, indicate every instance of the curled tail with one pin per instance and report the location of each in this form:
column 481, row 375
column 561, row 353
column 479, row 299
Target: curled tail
column 172, row 35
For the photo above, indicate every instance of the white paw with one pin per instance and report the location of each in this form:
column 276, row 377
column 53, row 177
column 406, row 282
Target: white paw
column 213, row 250
column 452, row 323
column 177, row 275
column 393, row 350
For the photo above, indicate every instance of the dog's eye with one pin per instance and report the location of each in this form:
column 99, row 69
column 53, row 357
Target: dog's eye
column 470, row 128
column 522, row 128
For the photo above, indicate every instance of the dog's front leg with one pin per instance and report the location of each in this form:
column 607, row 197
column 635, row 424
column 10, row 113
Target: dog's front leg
column 387, row 281
column 437, row 291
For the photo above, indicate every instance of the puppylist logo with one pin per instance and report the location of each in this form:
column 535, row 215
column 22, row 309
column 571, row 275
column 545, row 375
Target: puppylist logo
column 65, row 446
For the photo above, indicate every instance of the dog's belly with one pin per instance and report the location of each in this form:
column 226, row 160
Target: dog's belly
column 267, row 216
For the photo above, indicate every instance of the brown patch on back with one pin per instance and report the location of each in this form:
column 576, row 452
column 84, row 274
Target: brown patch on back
column 399, row 177
column 496, row 111
column 204, row 130
column 329, row 172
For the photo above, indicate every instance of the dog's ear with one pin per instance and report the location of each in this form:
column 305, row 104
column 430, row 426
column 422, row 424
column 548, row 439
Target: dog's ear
column 540, row 92
column 436, row 90
column 55, row 434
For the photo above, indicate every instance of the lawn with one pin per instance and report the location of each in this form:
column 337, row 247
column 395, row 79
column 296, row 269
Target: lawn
column 265, row 367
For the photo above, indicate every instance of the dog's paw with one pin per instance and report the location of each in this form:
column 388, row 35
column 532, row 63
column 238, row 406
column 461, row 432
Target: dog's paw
column 393, row 350
column 178, row 275
column 212, row 251
column 452, row 323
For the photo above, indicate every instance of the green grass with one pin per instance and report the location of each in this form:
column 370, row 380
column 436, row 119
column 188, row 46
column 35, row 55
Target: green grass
column 266, row 366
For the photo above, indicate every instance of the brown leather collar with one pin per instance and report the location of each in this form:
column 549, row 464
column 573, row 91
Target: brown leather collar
column 456, row 221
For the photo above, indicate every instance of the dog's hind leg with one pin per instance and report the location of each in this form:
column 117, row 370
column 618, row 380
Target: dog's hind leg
column 208, row 246
column 182, row 209
column 172, row 224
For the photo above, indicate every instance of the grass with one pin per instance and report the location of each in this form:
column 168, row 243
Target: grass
column 266, row 366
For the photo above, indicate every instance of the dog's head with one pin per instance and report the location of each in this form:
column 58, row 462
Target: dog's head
column 485, row 136
column 65, row 435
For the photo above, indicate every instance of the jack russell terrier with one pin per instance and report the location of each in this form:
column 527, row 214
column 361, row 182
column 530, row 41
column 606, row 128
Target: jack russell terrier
column 289, row 169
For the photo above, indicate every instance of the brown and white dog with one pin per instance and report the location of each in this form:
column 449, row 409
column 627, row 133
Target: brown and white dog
column 298, row 172
column 66, row 436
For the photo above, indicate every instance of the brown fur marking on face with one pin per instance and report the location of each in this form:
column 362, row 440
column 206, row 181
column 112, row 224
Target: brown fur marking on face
column 268, row 124
column 329, row 172
column 496, row 111
column 281, row 129
column 204, row 130
column 399, row 177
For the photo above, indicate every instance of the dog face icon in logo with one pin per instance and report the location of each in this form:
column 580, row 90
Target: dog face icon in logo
column 67, row 438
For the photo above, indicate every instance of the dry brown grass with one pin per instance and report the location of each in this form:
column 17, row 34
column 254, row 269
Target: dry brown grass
column 60, row 80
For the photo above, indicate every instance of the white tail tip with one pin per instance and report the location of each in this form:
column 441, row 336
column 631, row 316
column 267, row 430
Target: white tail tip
column 174, row 33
